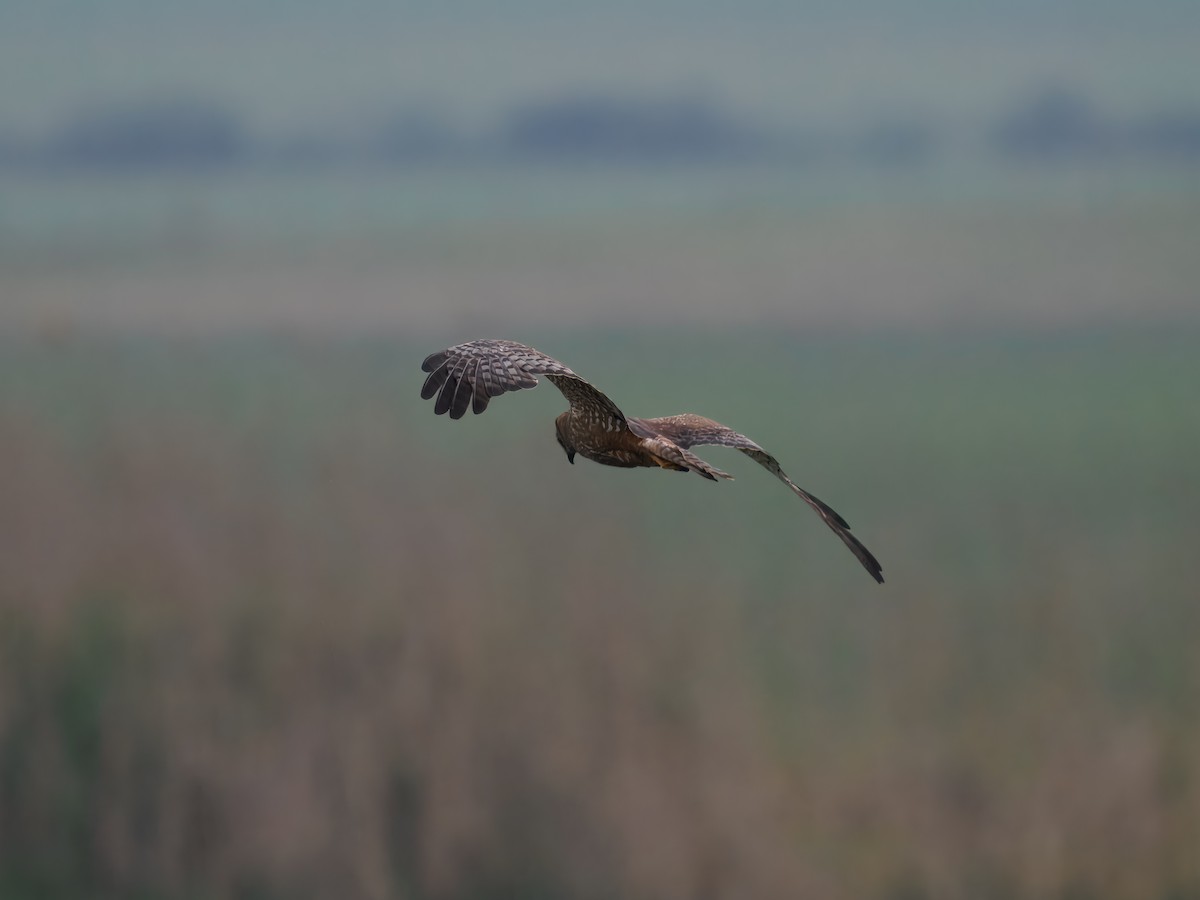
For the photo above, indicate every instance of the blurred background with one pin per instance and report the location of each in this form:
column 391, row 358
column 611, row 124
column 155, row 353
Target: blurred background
column 270, row 628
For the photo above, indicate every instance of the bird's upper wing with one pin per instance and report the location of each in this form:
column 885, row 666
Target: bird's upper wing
column 689, row 430
column 471, row 374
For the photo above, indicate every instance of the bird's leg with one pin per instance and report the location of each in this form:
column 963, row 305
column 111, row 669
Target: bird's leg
column 667, row 464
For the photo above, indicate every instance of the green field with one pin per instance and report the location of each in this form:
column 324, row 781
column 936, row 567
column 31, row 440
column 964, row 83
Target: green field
column 268, row 627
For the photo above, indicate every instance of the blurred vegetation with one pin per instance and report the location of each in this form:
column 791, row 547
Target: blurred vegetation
column 1055, row 123
column 269, row 628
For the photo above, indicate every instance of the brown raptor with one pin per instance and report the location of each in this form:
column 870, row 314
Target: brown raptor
column 471, row 374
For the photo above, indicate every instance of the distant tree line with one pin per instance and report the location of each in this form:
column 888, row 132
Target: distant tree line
column 1053, row 124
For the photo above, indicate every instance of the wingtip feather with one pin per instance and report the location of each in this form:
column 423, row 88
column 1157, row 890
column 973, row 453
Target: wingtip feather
column 442, row 405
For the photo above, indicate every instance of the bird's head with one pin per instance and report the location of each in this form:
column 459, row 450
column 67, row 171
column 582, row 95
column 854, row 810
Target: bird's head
column 564, row 437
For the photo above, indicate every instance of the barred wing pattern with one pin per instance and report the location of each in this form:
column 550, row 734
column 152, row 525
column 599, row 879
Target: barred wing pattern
column 690, row 430
column 471, row 374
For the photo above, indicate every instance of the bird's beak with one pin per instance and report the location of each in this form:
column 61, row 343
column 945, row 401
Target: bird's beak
column 571, row 457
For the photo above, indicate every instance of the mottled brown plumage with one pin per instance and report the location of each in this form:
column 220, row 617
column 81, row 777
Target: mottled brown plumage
column 471, row 374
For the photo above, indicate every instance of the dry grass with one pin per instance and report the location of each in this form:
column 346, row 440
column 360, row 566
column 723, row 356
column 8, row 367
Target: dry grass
column 266, row 654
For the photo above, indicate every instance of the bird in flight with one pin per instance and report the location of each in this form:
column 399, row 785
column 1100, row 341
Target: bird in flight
column 471, row 374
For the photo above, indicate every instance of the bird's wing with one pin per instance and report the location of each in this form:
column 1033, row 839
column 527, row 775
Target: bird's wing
column 471, row 374
column 689, row 430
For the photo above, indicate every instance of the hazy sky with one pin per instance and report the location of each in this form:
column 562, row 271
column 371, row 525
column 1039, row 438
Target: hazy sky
column 287, row 62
